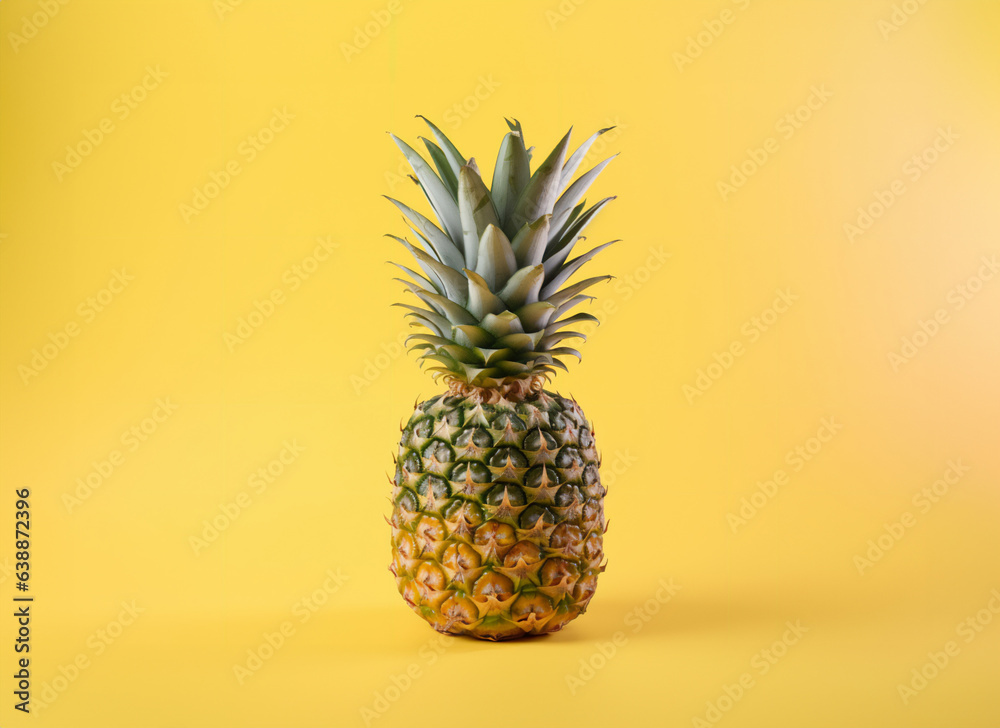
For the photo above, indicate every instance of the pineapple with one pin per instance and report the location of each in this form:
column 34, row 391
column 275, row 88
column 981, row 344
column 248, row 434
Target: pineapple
column 498, row 507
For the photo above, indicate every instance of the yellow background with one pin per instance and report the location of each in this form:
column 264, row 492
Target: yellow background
column 296, row 377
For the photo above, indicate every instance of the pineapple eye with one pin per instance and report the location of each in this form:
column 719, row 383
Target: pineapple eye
column 515, row 496
column 433, row 485
column 424, row 428
column 532, row 513
column 429, row 404
column 567, row 495
column 438, row 450
column 569, row 457
column 556, row 569
column 566, row 404
column 412, row 462
column 526, row 550
column 586, row 438
column 478, row 472
column 499, row 457
column 469, row 510
column 502, row 420
column 591, row 476
column 407, row 501
column 454, row 417
column 474, row 435
column 533, row 440
column 537, row 474
column 557, row 422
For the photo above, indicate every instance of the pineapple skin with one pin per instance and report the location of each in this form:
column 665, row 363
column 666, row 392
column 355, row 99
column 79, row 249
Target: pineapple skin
column 498, row 515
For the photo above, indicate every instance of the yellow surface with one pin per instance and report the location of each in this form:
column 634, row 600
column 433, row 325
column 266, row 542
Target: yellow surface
column 791, row 318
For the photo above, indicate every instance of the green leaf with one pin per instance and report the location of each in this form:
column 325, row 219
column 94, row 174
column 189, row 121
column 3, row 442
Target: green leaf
column 567, row 271
column 570, row 291
column 502, row 324
column 447, row 308
column 558, row 233
column 570, row 320
column 431, row 340
column 446, row 280
column 443, row 167
column 482, row 301
column 461, row 353
column 551, row 340
column 512, row 367
column 565, row 351
column 572, row 196
column 521, row 342
column 473, row 336
column 531, row 241
column 438, row 323
column 417, row 277
column 455, row 158
column 411, row 286
column 495, row 261
column 578, row 156
column 571, row 304
column 523, row 287
column 492, row 356
column 473, row 375
column 559, row 250
column 510, row 177
column 441, row 244
column 539, row 196
column 476, row 211
column 536, row 316
column 437, row 192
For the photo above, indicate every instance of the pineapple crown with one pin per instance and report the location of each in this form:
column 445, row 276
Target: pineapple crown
column 493, row 280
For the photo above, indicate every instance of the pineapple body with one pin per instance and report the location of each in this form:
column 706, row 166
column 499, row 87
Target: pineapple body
column 498, row 514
